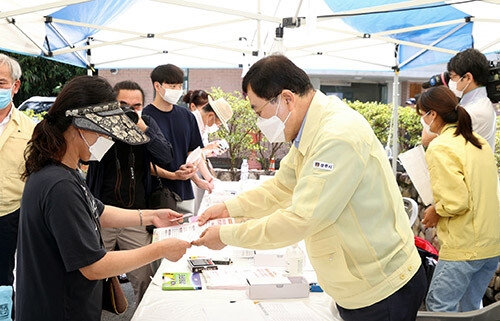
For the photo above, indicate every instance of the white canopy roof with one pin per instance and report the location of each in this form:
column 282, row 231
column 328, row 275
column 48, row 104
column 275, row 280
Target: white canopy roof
column 227, row 33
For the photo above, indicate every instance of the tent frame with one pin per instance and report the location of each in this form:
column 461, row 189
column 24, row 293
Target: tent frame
column 289, row 22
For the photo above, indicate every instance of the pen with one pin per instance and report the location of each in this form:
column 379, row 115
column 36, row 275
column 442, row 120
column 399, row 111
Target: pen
column 153, row 281
column 183, row 217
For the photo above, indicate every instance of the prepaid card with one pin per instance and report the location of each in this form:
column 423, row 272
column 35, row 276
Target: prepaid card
column 181, row 281
column 188, row 232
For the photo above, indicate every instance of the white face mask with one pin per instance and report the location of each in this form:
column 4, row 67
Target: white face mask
column 453, row 87
column 273, row 128
column 427, row 128
column 99, row 148
column 172, row 96
column 212, row 129
column 139, row 112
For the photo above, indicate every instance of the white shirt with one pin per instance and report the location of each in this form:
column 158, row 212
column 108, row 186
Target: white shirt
column 201, row 127
column 482, row 114
column 6, row 120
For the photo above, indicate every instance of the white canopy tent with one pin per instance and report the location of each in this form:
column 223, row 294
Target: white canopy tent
column 235, row 33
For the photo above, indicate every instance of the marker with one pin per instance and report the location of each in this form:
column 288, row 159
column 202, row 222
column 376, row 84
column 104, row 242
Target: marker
column 183, row 217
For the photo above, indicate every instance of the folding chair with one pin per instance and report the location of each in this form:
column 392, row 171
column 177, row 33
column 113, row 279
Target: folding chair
column 411, row 208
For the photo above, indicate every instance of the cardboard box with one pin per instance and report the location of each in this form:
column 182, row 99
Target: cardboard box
column 298, row 288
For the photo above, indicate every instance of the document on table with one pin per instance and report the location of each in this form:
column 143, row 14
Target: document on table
column 415, row 165
column 265, row 311
column 230, row 278
column 187, row 232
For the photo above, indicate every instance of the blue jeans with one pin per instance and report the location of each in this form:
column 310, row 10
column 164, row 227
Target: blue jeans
column 459, row 286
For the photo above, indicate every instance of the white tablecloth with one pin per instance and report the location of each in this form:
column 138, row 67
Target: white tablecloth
column 162, row 305
column 188, row 304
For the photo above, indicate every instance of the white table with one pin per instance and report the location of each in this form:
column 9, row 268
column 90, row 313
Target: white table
column 162, row 305
column 188, row 305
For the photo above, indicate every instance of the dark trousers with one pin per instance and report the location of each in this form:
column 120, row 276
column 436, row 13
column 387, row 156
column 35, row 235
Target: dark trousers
column 401, row 306
column 8, row 242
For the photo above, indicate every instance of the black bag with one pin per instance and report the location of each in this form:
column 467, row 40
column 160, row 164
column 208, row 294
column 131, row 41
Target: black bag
column 162, row 197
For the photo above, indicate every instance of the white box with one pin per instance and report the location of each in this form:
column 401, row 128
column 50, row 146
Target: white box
column 269, row 259
column 298, row 288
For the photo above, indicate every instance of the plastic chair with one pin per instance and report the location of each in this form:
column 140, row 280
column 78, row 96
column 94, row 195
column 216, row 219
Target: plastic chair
column 488, row 313
column 411, row 208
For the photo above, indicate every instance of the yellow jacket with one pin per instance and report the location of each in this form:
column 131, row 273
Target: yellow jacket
column 464, row 184
column 337, row 192
column 12, row 144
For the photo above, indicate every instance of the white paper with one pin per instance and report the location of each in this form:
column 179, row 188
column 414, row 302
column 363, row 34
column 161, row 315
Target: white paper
column 227, row 279
column 194, row 157
column 244, row 310
column 267, row 275
column 288, row 311
column 188, row 232
column 230, row 278
column 415, row 165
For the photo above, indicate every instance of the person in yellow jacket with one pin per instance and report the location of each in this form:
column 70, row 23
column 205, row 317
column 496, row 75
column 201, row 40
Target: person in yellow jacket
column 335, row 190
column 464, row 184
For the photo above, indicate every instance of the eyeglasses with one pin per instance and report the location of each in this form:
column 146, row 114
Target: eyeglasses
column 272, row 100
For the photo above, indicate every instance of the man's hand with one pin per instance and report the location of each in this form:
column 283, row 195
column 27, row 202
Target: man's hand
column 173, row 249
column 185, row 172
column 431, row 217
column 213, row 212
column 141, row 124
column 163, row 217
column 210, row 238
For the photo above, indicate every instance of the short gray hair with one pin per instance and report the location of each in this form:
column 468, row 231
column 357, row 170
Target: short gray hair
column 15, row 68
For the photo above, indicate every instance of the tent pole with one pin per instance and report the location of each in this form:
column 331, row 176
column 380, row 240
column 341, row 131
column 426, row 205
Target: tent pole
column 395, row 105
column 90, row 70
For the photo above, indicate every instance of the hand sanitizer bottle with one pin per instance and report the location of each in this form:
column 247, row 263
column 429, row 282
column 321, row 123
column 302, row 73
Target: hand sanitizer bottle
column 294, row 260
column 244, row 170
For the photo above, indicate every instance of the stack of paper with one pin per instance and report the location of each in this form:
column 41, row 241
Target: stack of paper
column 232, row 278
column 415, row 165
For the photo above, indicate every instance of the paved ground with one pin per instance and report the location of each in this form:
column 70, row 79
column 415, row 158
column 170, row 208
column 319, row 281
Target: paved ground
column 129, row 293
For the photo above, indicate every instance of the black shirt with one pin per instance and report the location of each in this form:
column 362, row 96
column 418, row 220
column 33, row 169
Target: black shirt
column 59, row 233
column 105, row 180
column 122, row 184
column 180, row 128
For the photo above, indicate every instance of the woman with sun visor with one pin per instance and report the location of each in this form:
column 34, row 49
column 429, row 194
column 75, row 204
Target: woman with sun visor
column 61, row 256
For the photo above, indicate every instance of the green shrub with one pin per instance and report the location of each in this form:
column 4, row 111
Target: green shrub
column 379, row 117
column 241, row 126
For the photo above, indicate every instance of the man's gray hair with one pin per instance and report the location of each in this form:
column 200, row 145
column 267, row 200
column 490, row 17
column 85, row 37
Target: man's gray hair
column 15, row 68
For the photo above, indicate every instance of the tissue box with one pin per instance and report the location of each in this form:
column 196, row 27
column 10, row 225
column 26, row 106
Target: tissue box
column 298, row 288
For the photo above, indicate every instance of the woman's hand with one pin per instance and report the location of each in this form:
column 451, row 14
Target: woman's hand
column 166, row 217
column 173, row 249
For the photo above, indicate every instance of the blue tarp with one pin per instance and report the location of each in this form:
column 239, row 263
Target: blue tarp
column 98, row 12
column 438, row 12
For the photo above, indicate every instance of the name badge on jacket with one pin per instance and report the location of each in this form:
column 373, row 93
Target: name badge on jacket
column 323, row 166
